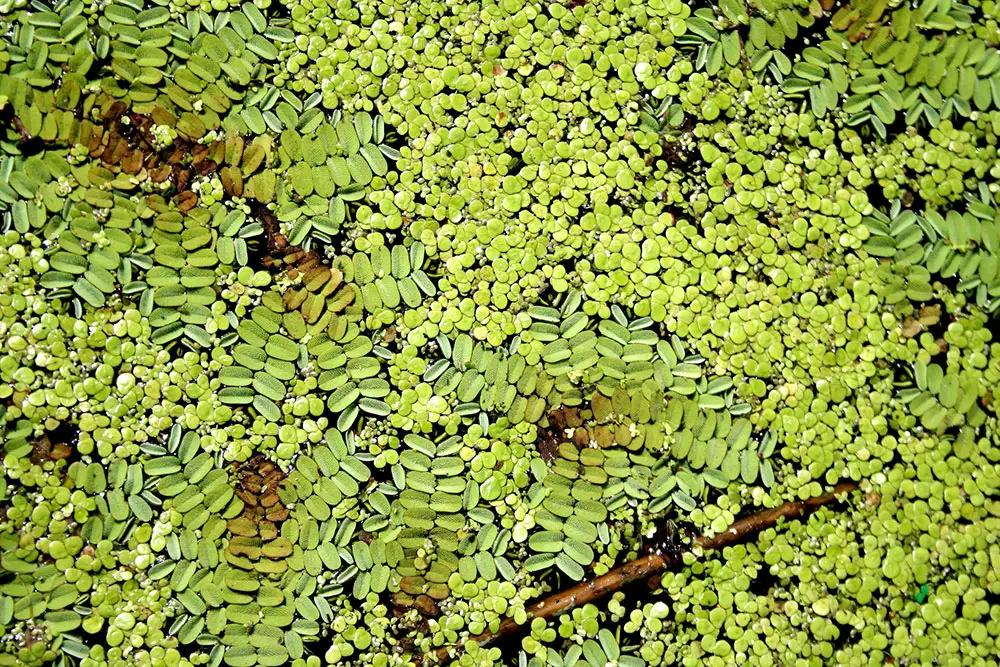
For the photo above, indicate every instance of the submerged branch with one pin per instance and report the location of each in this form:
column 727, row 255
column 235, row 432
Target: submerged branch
column 642, row 568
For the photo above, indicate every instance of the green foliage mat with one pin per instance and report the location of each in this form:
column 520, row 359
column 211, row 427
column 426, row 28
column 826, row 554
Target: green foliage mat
column 335, row 334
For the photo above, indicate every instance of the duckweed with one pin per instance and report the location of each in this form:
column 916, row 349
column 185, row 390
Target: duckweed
column 338, row 333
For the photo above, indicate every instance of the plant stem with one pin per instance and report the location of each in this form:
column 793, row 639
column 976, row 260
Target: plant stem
column 641, row 568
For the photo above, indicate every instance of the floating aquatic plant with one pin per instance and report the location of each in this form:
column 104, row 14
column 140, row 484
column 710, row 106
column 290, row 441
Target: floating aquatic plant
column 367, row 334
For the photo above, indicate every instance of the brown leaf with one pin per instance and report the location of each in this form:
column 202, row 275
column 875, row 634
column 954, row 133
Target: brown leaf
column 247, row 497
column 312, row 308
column 176, row 154
column 930, row 315
column 186, row 201
column 278, row 513
column 347, row 293
column 159, row 174
column 295, row 256
column 268, row 530
column 401, row 599
column 426, row 605
column 910, row 328
column 205, row 167
column 412, row 585
column 163, row 117
column 269, row 500
column 217, row 152
column 87, row 132
column 438, row 591
column 253, row 156
column 232, row 181
column 182, row 178
column 132, row 163
column 234, row 150
column 242, row 526
column 294, row 298
column 114, row 113
column 316, row 277
column 114, row 151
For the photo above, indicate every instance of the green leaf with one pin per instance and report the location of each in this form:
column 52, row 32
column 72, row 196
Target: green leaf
column 89, row 293
column 684, row 501
column 375, row 159
column 580, row 552
column 570, row 567
column 749, row 465
column 546, row 541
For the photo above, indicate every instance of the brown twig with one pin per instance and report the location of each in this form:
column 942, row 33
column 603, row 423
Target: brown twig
column 755, row 523
column 641, row 568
